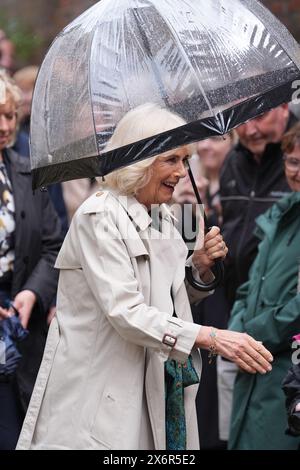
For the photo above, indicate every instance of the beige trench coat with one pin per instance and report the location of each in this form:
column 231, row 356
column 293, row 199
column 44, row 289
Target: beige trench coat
column 101, row 381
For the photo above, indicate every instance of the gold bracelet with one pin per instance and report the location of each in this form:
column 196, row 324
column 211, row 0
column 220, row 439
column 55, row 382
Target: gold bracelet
column 212, row 347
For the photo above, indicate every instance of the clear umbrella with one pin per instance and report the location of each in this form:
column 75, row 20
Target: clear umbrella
column 214, row 62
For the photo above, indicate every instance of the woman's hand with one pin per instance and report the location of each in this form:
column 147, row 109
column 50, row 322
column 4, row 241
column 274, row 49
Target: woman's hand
column 207, row 250
column 249, row 354
column 24, row 303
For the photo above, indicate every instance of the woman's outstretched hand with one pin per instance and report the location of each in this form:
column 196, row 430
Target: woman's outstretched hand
column 247, row 353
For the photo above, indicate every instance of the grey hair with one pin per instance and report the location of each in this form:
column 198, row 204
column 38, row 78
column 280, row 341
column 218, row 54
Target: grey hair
column 139, row 123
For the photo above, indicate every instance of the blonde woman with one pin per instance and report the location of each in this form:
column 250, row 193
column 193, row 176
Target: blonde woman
column 123, row 342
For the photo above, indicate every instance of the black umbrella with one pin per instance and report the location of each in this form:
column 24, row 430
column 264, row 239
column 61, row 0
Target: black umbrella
column 11, row 332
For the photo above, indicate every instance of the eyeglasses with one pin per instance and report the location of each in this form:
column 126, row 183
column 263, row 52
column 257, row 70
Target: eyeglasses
column 292, row 164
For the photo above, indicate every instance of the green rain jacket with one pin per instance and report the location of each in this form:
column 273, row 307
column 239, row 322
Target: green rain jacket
column 268, row 308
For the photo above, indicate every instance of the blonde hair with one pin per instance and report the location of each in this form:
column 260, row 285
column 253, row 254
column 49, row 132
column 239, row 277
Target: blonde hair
column 8, row 86
column 8, row 89
column 139, row 123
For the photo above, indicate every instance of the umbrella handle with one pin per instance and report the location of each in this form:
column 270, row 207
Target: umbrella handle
column 218, row 268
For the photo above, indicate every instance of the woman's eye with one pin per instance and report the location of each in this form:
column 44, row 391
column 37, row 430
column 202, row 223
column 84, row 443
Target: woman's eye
column 175, row 160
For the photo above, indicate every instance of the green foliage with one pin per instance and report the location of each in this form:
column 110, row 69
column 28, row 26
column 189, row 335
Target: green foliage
column 26, row 43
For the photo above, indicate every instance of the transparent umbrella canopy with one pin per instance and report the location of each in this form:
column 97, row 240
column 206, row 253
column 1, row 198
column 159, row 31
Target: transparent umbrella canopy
column 214, row 62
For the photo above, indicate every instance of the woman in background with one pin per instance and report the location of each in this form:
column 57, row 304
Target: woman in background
column 30, row 238
column 268, row 307
column 212, row 153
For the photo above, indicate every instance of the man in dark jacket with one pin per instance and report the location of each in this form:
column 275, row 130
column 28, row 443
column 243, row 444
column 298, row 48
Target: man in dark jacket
column 251, row 181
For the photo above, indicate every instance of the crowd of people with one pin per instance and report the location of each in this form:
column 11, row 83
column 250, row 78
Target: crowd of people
column 115, row 363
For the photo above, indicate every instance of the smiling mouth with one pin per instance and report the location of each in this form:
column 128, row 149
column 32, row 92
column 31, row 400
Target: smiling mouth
column 169, row 184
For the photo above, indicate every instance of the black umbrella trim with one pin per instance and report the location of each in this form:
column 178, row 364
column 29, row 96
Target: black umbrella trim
column 101, row 165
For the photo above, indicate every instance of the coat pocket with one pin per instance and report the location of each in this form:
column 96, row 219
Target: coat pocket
column 117, row 420
column 107, row 424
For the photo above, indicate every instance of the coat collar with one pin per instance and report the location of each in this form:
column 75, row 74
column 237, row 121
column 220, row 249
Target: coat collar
column 278, row 213
column 138, row 212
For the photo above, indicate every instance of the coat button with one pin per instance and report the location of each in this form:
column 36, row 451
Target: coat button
column 25, row 259
column 22, row 214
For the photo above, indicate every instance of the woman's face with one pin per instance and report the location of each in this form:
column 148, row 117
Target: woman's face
column 292, row 168
column 8, row 122
column 166, row 170
column 213, row 151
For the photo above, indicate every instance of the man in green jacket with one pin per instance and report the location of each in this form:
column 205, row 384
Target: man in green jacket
column 268, row 308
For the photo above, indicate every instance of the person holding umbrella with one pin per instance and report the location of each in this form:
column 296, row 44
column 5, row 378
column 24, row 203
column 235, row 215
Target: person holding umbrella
column 121, row 365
